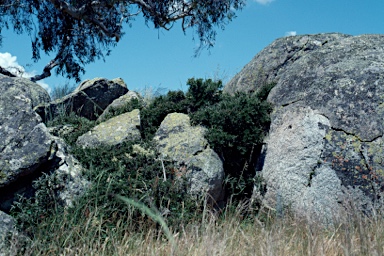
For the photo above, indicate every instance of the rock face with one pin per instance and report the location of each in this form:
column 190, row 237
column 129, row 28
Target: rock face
column 89, row 99
column 24, row 141
column 27, row 149
column 114, row 131
column 117, row 104
column 25, row 87
column 177, row 140
column 325, row 142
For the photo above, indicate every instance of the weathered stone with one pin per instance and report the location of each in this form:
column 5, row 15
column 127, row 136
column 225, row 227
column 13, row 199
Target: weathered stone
column 68, row 175
column 16, row 86
column 25, row 143
column 328, row 120
column 27, row 149
column 124, row 127
column 177, row 140
column 117, row 104
column 88, row 100
column 270, row 63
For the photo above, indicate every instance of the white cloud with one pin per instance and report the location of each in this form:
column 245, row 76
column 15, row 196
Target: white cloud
column 10, row 63
column 290, row 33
column 264, row 2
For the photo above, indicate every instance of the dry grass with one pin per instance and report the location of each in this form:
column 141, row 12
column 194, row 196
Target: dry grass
column 227, row 234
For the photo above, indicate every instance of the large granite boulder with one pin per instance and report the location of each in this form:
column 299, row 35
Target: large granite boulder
column 27, row 149
column 178, row 141
column 89, row 99
column 324, row 151
column 34, row 92
column 114, row 131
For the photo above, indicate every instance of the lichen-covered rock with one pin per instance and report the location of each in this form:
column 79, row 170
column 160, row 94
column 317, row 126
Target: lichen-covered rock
column 117, row 104
column 88, row 100
column 292, row 170
column 326, row 137
column 27, row 149
column 124, row 127
column 177, row 140
column 16, row 86
column 25, row 143
column 270, row 63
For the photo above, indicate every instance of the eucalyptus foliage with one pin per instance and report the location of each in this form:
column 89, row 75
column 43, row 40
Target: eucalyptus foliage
column 78, row 32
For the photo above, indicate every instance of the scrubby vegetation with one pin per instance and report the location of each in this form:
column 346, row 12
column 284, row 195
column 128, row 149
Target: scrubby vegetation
column 102, row 222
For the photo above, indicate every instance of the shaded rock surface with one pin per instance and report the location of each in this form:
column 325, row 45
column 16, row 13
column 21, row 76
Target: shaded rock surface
column 114, row 131
column 325, row 140
column 24, row 141
column 89, row 99
column 27, row 149
column 177, row 140
column 117, row 104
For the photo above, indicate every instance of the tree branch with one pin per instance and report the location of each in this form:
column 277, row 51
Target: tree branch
column 6, row 72
column 81, row 13
column 46, row 71
column 53, row 63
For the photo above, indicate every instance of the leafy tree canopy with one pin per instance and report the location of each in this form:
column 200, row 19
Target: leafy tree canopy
column 78, row 32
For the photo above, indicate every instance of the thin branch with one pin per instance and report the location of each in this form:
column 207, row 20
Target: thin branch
column 6, row 72
column 53, row 63
column 81, row 13
column 46, row 71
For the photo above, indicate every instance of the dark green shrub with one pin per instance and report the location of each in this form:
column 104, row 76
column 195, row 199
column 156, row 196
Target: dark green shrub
column 152, row 116
column 80, row 126
column 203, row 93
column 113, row 171
column 236, row 128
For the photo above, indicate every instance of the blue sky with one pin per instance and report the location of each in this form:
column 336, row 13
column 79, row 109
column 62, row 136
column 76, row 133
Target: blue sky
column 146, row 57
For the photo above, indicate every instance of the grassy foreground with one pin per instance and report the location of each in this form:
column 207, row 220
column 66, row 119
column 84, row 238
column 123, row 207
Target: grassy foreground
column 228, row 233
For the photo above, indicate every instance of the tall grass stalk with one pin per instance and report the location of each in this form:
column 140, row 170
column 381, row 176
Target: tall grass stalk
column 155, row 215
column 230, row 233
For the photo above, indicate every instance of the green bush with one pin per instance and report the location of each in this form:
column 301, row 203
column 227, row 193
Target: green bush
column 236, row 129
column 152, row 116
column 113, row 171
column 203, row 93
column 236, row 126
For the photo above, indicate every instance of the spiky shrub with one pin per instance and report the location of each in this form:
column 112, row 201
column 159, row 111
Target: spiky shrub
column 236, row 129
column 113, row 172
column 152, row 116
column 202, row 93
column 79, row 124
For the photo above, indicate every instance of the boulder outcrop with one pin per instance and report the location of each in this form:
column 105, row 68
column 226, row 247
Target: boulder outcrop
column 177, row 140
column 117, row 104
column 113, row 132
column 27, row 149
column 89, row 99
column 325, row 143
